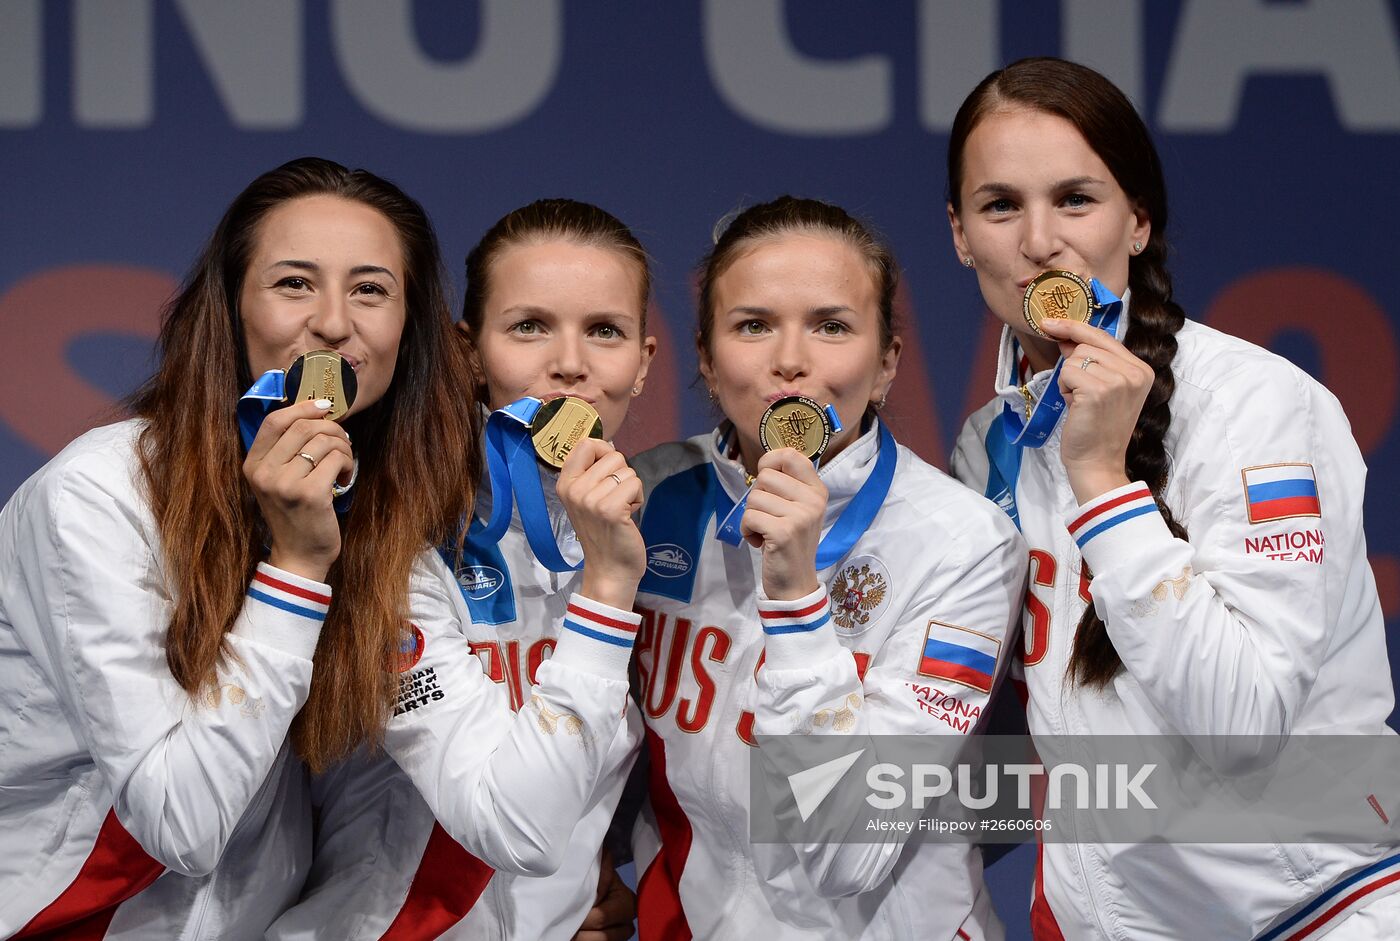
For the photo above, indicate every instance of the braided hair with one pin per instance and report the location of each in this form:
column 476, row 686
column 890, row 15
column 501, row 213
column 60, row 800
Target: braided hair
column 1113, row 129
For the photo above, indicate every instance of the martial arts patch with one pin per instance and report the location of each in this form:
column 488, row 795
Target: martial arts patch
column 860, row 594
column 410, row 651
column 417, row 689
column 1280, row 491
column 959, row 655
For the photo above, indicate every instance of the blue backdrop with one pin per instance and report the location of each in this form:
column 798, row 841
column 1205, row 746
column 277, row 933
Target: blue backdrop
column 127, row 125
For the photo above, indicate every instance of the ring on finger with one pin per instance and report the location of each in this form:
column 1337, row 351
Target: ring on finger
column 308, row 459
column 616, row 478
column 1088, row 361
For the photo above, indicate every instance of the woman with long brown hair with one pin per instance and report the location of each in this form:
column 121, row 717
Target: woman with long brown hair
column 165, row 593
column 1146, row 458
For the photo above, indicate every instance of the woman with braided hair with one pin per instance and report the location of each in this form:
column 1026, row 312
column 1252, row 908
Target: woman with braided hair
column 1176, row 486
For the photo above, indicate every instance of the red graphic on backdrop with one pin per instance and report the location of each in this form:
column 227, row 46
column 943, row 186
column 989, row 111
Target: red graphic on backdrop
column 1354, row 338
column 41, row 398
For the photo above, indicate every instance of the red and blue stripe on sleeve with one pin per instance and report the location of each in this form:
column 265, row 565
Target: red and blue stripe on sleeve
column 287, row 592
column 794, row 617
column 1131, row 503
column 601, row 622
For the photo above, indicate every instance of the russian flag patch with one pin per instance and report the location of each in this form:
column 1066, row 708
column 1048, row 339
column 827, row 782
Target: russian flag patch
column 1280, row 492
column 959, row 655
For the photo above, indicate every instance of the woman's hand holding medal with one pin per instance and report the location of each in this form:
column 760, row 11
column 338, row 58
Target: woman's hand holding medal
column 601, row 493
column 1104, row 387
column 294, row 460
column 786, row 506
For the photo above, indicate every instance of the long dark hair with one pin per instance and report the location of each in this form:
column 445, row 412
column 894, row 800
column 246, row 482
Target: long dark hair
column 1108, row 122
column 417, row 447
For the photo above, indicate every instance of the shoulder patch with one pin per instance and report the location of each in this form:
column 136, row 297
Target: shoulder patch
column 860, row 594
column 959, row 655
column 410, row 650
column 1280, row 492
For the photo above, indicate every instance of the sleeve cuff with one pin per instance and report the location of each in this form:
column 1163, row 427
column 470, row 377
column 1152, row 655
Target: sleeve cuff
column 597, row 637
column 1120, row 524
column 797, row 633
column 285, row 611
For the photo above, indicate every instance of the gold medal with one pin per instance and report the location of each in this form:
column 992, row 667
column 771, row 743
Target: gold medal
column 559, row 425
column 795, row 421
column 1057, row 295
column 322, row 374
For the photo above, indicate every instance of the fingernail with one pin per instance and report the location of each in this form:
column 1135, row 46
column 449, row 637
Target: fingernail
column 323, row 404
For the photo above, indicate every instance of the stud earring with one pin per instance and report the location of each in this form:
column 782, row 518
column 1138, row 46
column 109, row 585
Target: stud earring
column 636, row 391
column 967, row 261
column 1137, row 247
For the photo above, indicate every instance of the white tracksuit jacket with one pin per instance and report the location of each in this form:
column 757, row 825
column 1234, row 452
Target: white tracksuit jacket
column 383, row 866
column 1265, row 623
column 127, row 810
column 938, row 563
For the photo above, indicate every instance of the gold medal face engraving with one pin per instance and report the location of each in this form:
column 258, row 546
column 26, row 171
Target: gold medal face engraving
column 323, row 374
column 795, row 422
column 1056, row 295
column 559, row 425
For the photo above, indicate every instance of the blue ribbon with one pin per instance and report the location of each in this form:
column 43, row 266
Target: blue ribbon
column 515, row 479
column 483, row 577
column 265, row 396
column 854, row 520
column 731, row 514
column 1008, row 433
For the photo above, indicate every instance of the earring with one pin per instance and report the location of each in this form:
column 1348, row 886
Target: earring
column 1137, row 247
column 636, row 391
column 713, row 397
column 880, row 404
column 967, row 261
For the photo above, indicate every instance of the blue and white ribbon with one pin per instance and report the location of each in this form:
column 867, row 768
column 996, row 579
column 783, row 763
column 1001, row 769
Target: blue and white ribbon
column 515, row 480
column 854, row 520
column 266, row 395
column 1008, row 434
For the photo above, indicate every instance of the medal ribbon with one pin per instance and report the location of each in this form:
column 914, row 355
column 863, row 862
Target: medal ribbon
column 265, row 396
column 515, row 479
column 729, row 517
column 854, row 520
column 481, row 557
column 1009, row 433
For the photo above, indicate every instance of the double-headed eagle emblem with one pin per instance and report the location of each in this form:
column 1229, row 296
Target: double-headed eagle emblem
column 857, row 593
